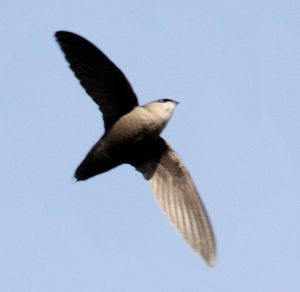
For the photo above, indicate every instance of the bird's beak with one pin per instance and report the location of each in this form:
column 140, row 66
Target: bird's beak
column 177, row 102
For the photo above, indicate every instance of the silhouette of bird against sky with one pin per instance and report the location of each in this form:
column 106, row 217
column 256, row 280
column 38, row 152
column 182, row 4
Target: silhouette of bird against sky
column 132, row 136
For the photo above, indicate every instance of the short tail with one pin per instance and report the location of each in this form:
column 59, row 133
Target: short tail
column 94, row 164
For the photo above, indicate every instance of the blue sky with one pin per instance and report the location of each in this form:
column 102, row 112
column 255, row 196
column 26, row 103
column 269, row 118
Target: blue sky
column 233, row 65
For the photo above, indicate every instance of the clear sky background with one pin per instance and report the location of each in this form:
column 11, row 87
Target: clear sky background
column 235, row 68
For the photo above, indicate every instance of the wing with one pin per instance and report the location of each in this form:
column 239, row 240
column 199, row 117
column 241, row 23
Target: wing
column 101, row 79
column 178, row 197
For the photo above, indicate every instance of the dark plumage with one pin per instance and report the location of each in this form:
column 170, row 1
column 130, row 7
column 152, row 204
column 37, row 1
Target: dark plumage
column 132, row 136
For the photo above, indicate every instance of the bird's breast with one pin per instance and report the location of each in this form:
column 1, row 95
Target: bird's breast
column 131, row 134
column 136, row 125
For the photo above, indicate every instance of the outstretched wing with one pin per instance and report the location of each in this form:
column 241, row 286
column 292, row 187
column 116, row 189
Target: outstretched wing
column 101, row 79
column 178, row 197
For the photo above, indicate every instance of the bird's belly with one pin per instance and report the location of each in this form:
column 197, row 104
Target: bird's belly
column 126, row 144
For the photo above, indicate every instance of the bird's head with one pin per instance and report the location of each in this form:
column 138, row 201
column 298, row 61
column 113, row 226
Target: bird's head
column 162, row 110
column 167, row 105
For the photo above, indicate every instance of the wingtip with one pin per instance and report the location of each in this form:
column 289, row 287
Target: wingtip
column 209, row 257
column 211, row 262
column 57, row 33
column 62, row 33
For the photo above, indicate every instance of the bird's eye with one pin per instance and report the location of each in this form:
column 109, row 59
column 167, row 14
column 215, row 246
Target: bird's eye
column 164, row 100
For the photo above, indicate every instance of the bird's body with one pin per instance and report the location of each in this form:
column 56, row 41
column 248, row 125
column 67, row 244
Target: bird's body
column 132, row 136
column 129, row 140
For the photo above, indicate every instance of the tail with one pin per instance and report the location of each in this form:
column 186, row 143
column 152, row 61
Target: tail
column 93, row 164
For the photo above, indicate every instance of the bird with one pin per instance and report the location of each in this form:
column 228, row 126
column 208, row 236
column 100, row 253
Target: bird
column 132, row 136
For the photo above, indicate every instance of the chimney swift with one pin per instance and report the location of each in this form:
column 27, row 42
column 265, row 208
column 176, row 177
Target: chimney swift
column 132, row 136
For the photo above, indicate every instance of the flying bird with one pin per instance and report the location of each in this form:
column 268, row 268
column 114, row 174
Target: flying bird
column 132, row 136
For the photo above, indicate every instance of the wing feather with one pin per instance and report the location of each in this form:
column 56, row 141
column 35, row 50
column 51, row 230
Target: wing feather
column 99, row 76
column 178, row 197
